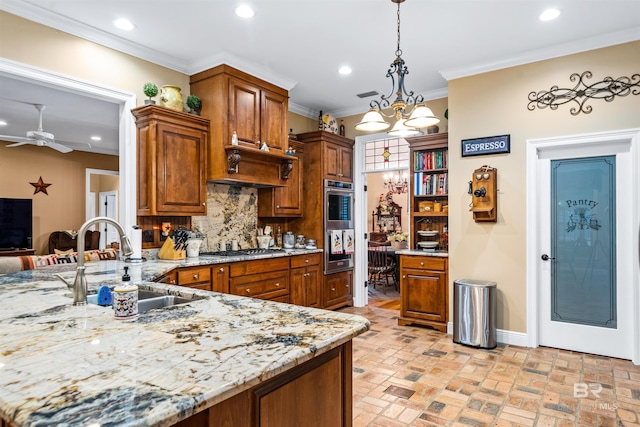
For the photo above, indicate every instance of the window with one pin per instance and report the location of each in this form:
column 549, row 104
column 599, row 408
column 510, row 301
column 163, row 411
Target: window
column 391, row 153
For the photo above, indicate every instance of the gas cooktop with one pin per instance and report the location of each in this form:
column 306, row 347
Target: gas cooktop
column 250, row 251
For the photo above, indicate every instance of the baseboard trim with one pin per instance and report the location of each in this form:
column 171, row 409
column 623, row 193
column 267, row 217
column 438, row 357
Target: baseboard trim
column 503, row 336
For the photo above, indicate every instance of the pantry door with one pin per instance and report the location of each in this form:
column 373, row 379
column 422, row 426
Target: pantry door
column 586, row 241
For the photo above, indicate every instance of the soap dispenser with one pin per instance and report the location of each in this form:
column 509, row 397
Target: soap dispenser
column 125, row 298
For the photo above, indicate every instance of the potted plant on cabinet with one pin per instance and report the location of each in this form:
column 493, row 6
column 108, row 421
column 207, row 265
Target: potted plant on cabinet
column 194, row 104
column 151, row 90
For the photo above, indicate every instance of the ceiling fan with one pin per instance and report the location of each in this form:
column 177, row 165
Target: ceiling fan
column 37, row 137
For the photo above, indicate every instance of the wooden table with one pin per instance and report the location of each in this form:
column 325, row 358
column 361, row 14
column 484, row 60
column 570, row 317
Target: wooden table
column 18, row 252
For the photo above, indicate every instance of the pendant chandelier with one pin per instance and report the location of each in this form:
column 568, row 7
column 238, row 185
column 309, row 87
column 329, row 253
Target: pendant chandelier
column 396, row 184
column 409, row 119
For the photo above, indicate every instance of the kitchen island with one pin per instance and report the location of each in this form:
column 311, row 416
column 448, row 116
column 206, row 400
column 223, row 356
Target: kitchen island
column 219, row 360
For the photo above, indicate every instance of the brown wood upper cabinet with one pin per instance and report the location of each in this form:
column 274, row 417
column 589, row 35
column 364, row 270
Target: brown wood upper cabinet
column 171, row 147
column 333, row 152
column 285, row 201
column 257, row 111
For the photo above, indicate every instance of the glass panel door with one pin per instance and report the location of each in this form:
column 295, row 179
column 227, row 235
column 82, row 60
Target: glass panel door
column 583, row 241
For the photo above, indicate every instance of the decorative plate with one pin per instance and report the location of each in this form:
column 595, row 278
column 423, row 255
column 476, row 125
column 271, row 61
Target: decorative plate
column 330, row 123
column 428, row 233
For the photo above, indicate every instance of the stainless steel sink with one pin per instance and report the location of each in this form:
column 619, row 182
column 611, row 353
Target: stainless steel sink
column 148, row 300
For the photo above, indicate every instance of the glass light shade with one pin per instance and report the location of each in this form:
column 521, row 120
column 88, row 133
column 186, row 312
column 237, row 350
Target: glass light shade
column 421, row 117
column 399, row 129
column 372, row 121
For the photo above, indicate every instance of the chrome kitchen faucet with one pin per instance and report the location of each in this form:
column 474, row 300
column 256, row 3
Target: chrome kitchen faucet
column 79, row 286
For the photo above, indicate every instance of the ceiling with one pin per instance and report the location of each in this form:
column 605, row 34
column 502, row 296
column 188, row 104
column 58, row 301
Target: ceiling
column 300, row 44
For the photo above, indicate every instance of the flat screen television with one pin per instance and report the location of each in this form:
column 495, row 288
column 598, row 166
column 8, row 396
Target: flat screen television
column 16, row 223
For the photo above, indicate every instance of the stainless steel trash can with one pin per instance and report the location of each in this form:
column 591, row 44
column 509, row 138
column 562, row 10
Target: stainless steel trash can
column 474, row 313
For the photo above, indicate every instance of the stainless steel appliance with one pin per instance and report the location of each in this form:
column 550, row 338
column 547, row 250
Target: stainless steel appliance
column 338, row 215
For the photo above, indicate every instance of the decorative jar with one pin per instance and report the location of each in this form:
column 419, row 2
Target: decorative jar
column 171, row 97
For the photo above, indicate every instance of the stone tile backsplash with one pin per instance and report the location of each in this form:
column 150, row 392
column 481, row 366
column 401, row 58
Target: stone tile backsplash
column 232, row 213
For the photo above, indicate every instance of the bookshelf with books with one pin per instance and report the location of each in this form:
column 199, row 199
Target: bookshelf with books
column 429, row 184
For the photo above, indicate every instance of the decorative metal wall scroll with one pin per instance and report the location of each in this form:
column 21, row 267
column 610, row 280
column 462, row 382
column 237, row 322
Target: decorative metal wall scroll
column 606, row 89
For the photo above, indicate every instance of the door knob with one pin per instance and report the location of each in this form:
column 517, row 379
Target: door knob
column 546, row 257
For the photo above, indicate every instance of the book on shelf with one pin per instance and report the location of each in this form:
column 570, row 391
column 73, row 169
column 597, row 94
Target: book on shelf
column 428, row 160
column 430, row 184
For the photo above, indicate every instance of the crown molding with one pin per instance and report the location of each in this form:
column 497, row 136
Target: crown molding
column 303, row 111
column 242, row 64
column 45, row 17
column 35, row 13
column 611, row 39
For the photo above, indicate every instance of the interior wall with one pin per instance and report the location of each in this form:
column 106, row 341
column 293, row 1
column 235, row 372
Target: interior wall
column 40, row 46
column 63, row 207
column 495, row 104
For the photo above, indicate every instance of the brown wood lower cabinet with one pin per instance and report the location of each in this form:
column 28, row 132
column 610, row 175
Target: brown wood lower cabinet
column 264, row 279
column 424, row 293
column 316, row 393
column 337, row 290
column 297, row 279
column 305, row 280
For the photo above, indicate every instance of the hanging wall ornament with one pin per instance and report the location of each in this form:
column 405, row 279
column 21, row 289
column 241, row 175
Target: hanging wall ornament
column 40, row 186
column 606, row 89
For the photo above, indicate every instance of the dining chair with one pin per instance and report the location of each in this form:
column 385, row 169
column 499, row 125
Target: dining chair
column 381, row 267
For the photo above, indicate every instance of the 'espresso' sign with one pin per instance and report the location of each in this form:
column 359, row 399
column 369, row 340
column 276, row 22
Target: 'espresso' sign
column 488, row 145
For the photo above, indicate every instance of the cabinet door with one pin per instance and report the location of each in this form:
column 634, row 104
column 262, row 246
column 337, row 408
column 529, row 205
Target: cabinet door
column 423, row 294
column 338, row 162
column 337, row 290
column 312, row 286
column 331, row 158
column 297, row 284
column 180, row 179
column 288, row 199
column 273, row 119
column 346, row 164
column 244, row 111
column 220, row 278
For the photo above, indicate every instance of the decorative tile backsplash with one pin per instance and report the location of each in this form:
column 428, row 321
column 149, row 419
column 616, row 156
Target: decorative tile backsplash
column 232, row 213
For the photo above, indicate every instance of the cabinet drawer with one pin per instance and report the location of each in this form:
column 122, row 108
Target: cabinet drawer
column 423, row 262
column 259, row 266
column 194, row 275
column 305, row 260
column 204, row 286
column 274, row 284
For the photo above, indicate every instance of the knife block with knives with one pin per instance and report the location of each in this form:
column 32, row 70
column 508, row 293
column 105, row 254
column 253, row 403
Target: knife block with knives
column 170, row 251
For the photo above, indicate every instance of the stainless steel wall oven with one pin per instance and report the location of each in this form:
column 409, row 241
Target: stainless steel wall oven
column 338, row 216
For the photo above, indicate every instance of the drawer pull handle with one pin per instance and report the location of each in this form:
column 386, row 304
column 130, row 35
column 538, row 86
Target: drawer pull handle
column 404, row 276
column 277, row 284
column 195, row 276
column 421, row 264
column 333, row 289
column 248, row 290
column 173, row 282
column 221, row 269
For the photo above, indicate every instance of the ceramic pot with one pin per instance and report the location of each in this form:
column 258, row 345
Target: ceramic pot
column 171, row 97
column 193, row 247
column 125, row 302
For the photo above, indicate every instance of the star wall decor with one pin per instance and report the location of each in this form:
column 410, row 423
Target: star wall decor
column 40, row 186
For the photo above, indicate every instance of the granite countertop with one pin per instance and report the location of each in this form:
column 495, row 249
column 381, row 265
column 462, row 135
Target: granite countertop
column 67, row 365
column 440, row 254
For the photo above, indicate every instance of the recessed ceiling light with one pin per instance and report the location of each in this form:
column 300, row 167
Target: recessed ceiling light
column 124, row 24
column 549, row 14
column 344, row 70
column 3, row 123
column 96, row 138
column 244, row 11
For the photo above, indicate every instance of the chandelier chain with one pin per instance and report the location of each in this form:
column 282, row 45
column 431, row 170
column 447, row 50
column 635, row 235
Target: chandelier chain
column 398, row 50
